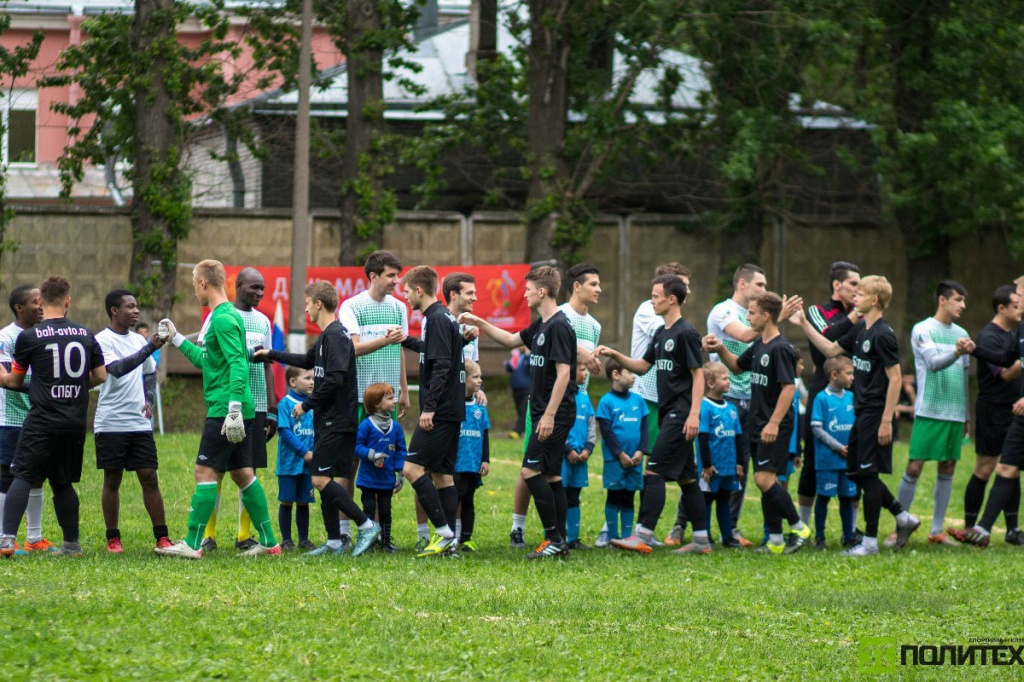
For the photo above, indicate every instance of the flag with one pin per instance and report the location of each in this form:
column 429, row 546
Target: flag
column 277, row 342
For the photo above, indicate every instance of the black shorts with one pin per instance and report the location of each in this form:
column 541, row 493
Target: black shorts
column 435, row 450
column 125, row 451
column 672, row 456
column 44, row 454
column 808, row 485
column 466, row 483
column 864, row 454
column 991, row 424
column 332, row 454
column 774, row 456
column 1013, row 445
column 546, row 456
column 259, row 441
column 217, row 452
column 8, row 443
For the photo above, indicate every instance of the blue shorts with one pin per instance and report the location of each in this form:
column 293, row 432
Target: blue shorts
column 574, row 475
column 719, row 483
column 297, row 489
column 614, row 477
column 833, row 483
column 790, row 468
column 8, row 443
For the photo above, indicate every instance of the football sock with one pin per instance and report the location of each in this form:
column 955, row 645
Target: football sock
column 211, row 524
column 458, row 529
column 423, row 530
column 344, row 527
column 3, row 500
column 544, row 498
column 384, row 507
column 468, row 521
column 681, row 512
column 611, row 520
column 572, row 524
column 255, row 500
column 204, row 499
column 820, row 516
column 284, row 521
column 942, row 492
column 244, row 521
column 848, row 516
column 430, row 500
column 871, row 487
column 344, row 503
column 1012, row 507
column 519, row 521
column 805, row 512
column 974, row 496
column 65, row 505
column 891, row 503
column 302, row 521
column 775, row 538
column 160, row 532
column 628, row 516
column 14, row 508
column 113, row 533
column 365, row 525
column 34, row 515
column 330, row 514
column 870, row 542
column 772, row 506
column 449, row 497
column 736, row 499
column 653, row 501
column 1002, row 489
column 693, row 499
column 561, row 505
column 723, row 513
column 905, row 494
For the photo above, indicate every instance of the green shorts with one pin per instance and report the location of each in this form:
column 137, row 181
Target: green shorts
column 936, row 440
column 652, row 423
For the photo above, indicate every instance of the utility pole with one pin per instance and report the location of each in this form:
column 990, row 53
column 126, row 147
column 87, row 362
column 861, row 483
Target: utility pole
column 300, row 201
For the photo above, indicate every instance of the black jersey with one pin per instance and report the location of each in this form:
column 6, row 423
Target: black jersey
column 61, row 355
column 873, row 351
column 551, row 342
column 673, row 352
column 442, row 368
column 771, row 365
column 992, row 390
column 335, row 396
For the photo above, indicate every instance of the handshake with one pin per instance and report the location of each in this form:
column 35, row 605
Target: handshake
column 166, row 330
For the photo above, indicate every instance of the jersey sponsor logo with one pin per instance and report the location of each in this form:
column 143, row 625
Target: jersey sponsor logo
column 758, row 379
column 61, row 392
column 866, row 346
column 722, row 432
column 626, row 420
column 301, row 432
column 318, row 372
column 862, row 365
column 669, row 345
column 536, row 360
column 540, row 339
column 665, row 365
column 59, row 331
column 835, row 427
column 765, row 360
column 470, row 433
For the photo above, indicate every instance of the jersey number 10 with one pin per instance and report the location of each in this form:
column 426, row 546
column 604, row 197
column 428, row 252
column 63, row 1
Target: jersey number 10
column 70, row 351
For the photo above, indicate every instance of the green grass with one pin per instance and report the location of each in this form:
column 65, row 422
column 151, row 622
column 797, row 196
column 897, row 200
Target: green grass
column 597, row 615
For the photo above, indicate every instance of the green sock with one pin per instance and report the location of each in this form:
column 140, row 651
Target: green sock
column 255, row 501
column 204, row 499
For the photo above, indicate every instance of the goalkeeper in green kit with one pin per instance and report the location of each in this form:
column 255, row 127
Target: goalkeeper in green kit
column 226, row 443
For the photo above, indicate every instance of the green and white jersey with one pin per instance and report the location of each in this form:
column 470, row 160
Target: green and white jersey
column 370, row 319
column 588, row 331
column 257, row 333
column 224, row 361
column 941, row 376
column 13, row 405
column 720, row 317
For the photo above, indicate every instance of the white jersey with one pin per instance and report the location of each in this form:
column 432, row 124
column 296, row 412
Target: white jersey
column 645, row 324
column 14, row 406
column 941, row 376
column 369, row 319
column 258, row 333
column 587, row 328
column 720, row 317
column 122, row 399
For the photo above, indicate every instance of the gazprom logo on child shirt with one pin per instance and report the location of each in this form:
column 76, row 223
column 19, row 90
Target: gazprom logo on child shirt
column 627, row 420
column 722, row 432
column 835, row 427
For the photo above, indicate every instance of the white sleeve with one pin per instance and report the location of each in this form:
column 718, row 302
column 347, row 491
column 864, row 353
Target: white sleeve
column 924, row 348
column 405, row 318
column 347, row 317
column 644, row 326
column 268, row 340
column 107, row 348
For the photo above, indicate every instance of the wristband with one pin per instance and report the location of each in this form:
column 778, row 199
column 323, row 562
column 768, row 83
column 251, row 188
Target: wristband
column 178, row 339
column 234, row 406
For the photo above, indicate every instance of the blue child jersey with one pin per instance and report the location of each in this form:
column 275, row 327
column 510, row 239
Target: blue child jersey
column 289, row 457
column 370, row 437
column 835, row 414
column 721, row 421
column 794, row 438
column 471, row 439
column 625, row 413
column 582, row 436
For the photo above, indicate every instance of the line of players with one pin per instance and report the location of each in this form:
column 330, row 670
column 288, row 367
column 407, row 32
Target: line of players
column 757, row 347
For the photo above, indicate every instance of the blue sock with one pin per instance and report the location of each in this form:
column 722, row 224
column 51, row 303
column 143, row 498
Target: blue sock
column 764, row 540
column 626, row 514
column 707, row 515
column 724, row 514
column 848, row 514
column 820, row 516
column 611, row 517
column 572, row 524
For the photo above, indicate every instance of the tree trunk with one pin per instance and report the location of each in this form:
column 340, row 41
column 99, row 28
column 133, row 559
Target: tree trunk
column 159, row 216
column 362, row 126
column 547, row 75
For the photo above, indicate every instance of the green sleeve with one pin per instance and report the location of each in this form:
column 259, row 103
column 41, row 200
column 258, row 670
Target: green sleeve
column 192, row 353
column 231, row 338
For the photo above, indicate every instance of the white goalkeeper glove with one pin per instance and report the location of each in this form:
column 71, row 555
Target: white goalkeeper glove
column 234, row 427
column 377, row 458
column 167, row 332
column 399, row 481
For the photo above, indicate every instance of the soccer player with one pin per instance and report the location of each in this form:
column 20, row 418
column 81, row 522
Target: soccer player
column 377, row 323
column 430, row 464
column 585, row 280
column 65, row 361
column 579, row 445
column 676, row 352
column 249, row 289
column 771, row 364
column 553, row 353
column 226, row 442
column 335, row 418
column 998, row 390
column 876, row 388
column 723, row 447
column 832, row 419
column 940, row 412
column 832, row 320
column 123, row 427
column 26, row 303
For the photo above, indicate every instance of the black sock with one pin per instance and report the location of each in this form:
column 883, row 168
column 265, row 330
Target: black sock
column 160, row 532
column 330, row 514
column 561, row 505
column 369, row 500
column 681, row 512
column 693, row 499
column 468, row 515
column 65, row 504
column 653, row 501
column 302, row 521
column 284, row 521
column 15, row 506
column 888, row 501
column 770, row 510
column 344, row 503
column 1012, row 507
column 426, row 493
column 449, row 498
column 1002, row 490
column 974, row 496
column 384, row 506
column 113, row 533
column 787, row 509
column 872, row 504
column 545, row 501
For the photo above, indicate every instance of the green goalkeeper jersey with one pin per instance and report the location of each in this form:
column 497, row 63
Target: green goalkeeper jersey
column 225, row 363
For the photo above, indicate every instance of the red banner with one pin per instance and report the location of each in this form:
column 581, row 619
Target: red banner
column 499, row 290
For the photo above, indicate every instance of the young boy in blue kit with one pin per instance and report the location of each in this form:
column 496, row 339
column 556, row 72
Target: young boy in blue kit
column 578, row 447
column 380, row 445
column 831, row 422
column 473, row 461
column 294, row 451
column 622, row 417
column 722, row 448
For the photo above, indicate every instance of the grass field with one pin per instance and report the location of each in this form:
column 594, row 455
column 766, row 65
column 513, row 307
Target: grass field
column 598, row 615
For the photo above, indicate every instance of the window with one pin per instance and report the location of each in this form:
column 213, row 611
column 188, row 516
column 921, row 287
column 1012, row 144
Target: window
column 18, row 109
